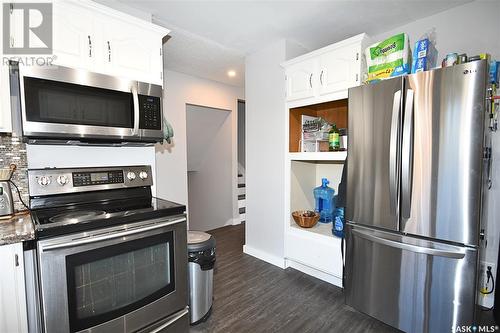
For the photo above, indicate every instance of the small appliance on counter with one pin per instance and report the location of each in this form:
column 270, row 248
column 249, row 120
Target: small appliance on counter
column 6, row 199
column 108, row 256
column 201, row 257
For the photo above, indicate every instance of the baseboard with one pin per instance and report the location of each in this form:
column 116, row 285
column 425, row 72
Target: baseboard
column 236, row 221
column 314, row 272
column 264, row 256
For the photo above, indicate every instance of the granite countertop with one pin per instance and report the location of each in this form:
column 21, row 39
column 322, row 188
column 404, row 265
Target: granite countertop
column 17, row 228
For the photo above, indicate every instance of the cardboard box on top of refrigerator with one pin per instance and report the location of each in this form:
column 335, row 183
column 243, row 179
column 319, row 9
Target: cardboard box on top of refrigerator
column 424, row 56
column 388, row 58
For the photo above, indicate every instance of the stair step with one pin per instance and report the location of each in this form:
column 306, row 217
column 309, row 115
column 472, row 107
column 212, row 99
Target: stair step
column 242, row 210
column 241, row 185
column 241, row 197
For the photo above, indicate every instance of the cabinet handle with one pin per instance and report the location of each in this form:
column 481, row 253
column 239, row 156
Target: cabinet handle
column 357, row 56
column 357, row 77
column 11, row 41
column 109, row 52
column 16, row 260
column 90, row 46
column 321, row 77
column 310, row 80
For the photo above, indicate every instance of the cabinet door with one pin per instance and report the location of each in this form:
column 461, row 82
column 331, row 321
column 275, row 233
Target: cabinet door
column 339, row 69
column 132, row 51
column 75, row 42
column 301, row 80
column 5, row 113
column 5, row 117
column 13, row 316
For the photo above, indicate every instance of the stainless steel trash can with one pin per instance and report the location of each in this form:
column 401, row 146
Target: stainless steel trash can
column 201, row 258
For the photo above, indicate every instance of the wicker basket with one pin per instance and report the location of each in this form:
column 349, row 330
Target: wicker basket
column 305, row 221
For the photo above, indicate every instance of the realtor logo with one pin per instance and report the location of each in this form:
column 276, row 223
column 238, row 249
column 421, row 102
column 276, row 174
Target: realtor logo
column 27, row 28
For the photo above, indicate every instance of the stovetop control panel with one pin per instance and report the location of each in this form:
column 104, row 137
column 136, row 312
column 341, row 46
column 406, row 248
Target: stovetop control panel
column 52, row 181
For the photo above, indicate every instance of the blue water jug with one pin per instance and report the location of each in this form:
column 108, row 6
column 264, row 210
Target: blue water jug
column 323, row 196
column 338, row 220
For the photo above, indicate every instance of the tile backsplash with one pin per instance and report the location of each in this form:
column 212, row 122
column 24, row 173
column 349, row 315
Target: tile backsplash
column 13, row 150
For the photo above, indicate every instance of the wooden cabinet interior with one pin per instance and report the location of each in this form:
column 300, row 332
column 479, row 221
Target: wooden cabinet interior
column 333, row 112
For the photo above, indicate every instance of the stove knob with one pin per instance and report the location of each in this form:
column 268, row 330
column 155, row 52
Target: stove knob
column 62, row 180
column 44, row 181
column 131, row 175
column 143, row 175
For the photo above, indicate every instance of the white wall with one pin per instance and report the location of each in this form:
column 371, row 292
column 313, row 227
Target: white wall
column 265, row 151
column 171, row 160
column 210, row 165
column 472, row 28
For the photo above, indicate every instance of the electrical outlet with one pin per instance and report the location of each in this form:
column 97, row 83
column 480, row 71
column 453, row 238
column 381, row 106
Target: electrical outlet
column 486, row 284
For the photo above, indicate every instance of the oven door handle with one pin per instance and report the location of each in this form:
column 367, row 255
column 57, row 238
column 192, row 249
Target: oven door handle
column 111, row 235
column 171, row 321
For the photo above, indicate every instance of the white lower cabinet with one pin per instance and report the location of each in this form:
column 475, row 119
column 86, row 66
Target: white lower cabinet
column 13, row 314
column 314, row 251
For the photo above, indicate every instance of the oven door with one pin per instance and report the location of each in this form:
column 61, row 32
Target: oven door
column 119, row 279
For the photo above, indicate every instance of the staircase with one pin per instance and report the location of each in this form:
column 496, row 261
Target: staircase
column 241, row 196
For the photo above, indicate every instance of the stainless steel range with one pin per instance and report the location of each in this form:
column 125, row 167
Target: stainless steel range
column 108, row 256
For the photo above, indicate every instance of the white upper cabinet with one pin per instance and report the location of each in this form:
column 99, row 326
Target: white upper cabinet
column 300, row 80
column 133, row 51
column 94, row 37
column 325, row 74
column 339, row 69
column 75, row 43
column 5, row 116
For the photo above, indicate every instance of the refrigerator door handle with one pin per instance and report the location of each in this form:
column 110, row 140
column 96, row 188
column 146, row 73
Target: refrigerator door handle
column 454, row 252
column 407, row 157
column 394, row 154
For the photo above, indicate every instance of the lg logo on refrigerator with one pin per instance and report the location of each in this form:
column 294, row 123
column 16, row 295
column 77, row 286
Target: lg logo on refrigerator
column 470, row 71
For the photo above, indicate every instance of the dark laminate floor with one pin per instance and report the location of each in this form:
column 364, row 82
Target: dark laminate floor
column 254, row 296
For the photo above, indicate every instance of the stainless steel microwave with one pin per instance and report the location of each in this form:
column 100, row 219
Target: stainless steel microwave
column 59, row 103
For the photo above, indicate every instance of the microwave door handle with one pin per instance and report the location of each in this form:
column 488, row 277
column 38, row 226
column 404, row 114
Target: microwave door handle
column 135, row 98
column 111, row 235
column 407, row 157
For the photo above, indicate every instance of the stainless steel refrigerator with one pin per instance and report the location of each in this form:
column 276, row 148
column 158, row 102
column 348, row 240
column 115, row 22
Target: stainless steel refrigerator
column 414, row 192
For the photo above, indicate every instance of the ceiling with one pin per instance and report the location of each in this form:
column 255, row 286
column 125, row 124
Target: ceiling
column 209, row 38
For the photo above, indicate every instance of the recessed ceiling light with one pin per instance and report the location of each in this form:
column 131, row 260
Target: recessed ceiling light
column 231, row 73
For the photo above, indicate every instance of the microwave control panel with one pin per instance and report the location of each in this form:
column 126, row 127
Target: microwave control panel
column 149, row 112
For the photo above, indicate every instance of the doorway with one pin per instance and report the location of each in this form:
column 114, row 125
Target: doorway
column 210, row 167
column 241, row 161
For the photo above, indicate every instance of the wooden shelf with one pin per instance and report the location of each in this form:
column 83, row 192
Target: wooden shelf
column 334, row 156
column 333, row 112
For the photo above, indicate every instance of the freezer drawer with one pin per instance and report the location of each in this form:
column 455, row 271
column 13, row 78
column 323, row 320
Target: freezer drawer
column 411, row 284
